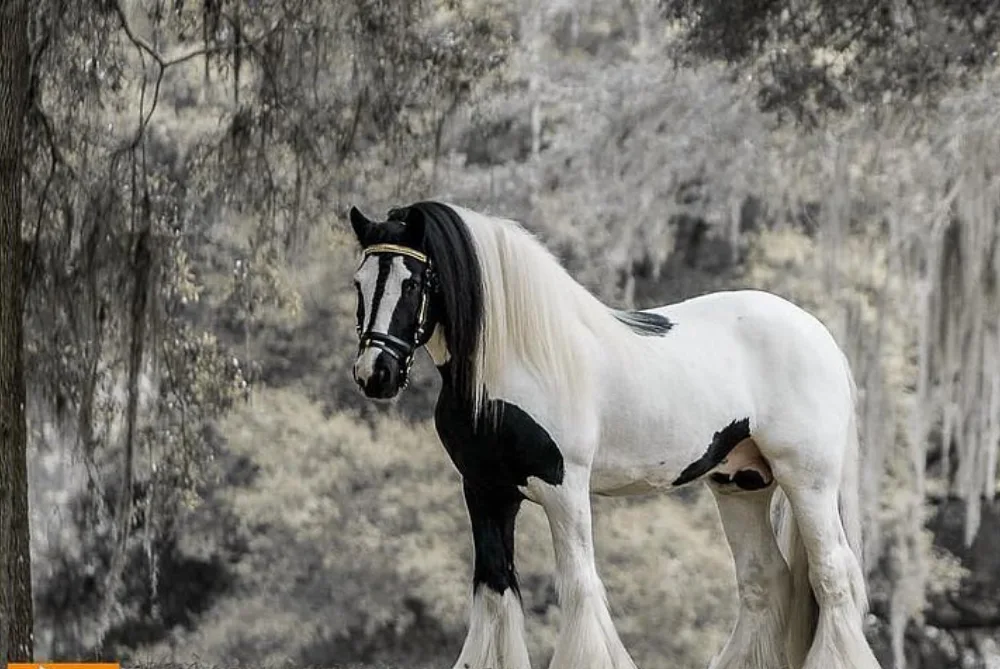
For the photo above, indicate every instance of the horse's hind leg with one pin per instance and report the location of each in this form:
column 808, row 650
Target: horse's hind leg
column 810, row 479
column 587, row 637
column 758, row 638
column 496, row 625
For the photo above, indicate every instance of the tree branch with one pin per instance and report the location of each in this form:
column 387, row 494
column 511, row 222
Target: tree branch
column 163, row 63
column 207, row 50
column 136, row 39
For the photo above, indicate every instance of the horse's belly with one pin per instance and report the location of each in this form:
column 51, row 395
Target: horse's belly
column 743, row 467
column 639, row 458
column 612, row 483
column 653, row 430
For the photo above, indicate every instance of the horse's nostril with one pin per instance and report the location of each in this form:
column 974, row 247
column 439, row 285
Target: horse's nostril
column 380, row 376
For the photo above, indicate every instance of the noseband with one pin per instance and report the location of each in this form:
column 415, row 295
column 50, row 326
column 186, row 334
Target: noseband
column 400, row 349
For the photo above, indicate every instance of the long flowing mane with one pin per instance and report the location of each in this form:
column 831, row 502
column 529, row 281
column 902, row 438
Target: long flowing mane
column 508, row 300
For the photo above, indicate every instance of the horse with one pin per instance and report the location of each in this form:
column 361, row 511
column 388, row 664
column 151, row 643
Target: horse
column 549, row 396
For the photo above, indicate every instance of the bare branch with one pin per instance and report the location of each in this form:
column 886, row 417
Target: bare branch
column 136, row 39
column 163, row 63
column 207, row 50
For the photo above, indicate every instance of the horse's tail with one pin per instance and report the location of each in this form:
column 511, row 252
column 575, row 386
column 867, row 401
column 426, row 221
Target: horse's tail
column 803, row 610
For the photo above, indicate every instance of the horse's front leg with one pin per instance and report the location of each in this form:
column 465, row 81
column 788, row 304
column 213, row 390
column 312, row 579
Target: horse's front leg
column 496, row 624
column 587, row 638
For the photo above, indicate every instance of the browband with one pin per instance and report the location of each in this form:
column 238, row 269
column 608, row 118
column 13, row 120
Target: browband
column 396, row 248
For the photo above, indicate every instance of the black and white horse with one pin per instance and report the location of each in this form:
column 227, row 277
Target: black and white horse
column 549, row 395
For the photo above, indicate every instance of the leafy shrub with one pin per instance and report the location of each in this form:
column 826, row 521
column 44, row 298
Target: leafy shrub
column 357, row 547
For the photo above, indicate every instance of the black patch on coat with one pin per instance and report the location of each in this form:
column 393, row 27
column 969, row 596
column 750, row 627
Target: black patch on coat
column 495, row 454
column 502, row 448
column 721, row 479
column 745, row 479
column 723, row 442
column 492, row 512
column 749, row 479
column 645, row 323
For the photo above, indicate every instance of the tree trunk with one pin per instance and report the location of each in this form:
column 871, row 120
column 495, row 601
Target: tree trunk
column 15, row 559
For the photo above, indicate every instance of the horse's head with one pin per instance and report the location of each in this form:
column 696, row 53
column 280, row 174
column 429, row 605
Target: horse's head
column 395, row 283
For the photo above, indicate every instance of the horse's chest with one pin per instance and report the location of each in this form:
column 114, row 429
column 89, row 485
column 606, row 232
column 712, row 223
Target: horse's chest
column 501, row 451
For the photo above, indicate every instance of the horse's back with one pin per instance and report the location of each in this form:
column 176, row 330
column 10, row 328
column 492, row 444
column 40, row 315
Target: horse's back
column 781, row 352
column 754, row 319
column 760, row 305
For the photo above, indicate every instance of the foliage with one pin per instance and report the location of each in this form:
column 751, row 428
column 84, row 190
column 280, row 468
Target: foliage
column 121, row 195
column 811, row 57
column 356, row 547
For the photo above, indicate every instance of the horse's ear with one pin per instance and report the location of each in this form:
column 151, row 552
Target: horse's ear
column 361, row 225
column 415, row 227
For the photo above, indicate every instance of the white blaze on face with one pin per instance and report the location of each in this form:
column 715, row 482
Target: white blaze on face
column 383, row 288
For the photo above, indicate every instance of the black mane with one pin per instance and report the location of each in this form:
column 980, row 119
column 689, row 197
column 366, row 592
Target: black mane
column 449, row 245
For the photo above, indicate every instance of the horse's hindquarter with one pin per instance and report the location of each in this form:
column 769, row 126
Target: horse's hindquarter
column 730, row 357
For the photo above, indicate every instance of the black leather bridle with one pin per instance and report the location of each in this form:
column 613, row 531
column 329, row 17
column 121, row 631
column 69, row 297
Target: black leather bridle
column 398, row 348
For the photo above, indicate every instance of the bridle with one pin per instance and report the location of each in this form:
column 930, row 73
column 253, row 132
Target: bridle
column 398, row 348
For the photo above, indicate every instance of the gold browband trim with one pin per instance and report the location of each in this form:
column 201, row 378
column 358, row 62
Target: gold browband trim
column 396, row 248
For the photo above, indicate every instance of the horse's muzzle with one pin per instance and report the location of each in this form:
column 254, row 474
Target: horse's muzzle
column 378, row 375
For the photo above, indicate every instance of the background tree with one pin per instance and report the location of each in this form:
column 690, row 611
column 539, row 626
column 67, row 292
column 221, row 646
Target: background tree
column 15, row 562
column 811, row 58
column 127, row 368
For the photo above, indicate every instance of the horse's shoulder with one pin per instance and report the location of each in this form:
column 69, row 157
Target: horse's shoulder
column 504, row 446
